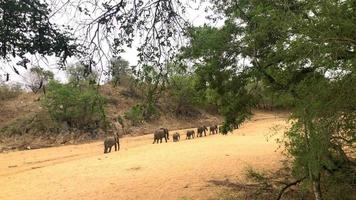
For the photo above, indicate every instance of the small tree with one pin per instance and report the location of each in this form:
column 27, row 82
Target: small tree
column 135, row 115
column 79, row 108
column 183, row 94
column 38, row 78
column 118, row 70
column 80, row 75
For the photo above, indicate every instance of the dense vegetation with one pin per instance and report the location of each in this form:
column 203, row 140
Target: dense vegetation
column 303, row 51
column 80, row 108
column 285, row 54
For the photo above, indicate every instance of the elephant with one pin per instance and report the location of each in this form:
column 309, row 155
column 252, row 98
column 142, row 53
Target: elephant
column 202, row 130
column 176, row 137
column 159, row 134
column 214, row 129
column 190, row 134
column 111, row 141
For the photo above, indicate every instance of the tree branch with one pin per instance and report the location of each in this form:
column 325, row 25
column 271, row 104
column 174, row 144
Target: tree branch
column 288, row 186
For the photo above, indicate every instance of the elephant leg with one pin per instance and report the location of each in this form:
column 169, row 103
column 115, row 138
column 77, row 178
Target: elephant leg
column 115, row 147
column 165, row 139
column 110, row 149
column 105, row 150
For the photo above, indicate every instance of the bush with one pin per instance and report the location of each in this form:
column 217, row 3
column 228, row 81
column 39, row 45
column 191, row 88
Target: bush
column 79, row 108
column 39, row 124
column 9, row 92
column 265, row 97
column 135, row 115
column 183, row 96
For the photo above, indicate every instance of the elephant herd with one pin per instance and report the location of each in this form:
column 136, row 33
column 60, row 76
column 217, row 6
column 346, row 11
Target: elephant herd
column 190, row 134
column 161, row 134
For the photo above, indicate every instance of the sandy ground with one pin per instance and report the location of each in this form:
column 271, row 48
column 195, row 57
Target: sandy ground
column 141, row 170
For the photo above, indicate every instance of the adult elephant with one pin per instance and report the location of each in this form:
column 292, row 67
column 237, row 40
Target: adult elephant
column 160, row 134
column 201, row 130
column 214, row 130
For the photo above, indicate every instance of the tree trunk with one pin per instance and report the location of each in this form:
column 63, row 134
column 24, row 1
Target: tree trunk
column 315, row 184
column 316, row 188
column 314, row 179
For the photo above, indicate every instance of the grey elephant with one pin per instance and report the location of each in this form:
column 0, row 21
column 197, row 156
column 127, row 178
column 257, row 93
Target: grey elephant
column 190, row 134
column 214, row 129
column 111, row 141
column 202, row 130
column 160, row 134
column 176, row 137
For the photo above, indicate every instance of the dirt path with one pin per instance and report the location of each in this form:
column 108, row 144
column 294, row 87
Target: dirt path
column 140, row 170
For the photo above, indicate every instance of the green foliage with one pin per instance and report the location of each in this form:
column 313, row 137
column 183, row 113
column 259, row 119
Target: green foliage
column 38, row 78
column 120, row 72
column 303, row 53
column 150, row 83
column 135, row 115
column 8, row 92
column 80, row 75
column 79, row 108
column 39, row 124
column 25, row 28
column 266, row 97
column 182, row 94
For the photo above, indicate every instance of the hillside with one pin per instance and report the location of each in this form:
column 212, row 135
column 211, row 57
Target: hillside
column 25, row 117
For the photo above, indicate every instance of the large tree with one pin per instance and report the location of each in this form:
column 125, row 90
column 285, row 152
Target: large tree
column 302, row 48
column 25, row 28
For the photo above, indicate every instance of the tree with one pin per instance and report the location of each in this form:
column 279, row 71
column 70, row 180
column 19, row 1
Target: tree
column 79, row 108
column 81, row 75
column 25, row 28
column 118, row 70
column 300, row 48
column 38, row 78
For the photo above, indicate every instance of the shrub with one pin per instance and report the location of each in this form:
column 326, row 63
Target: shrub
column 135, row 114
column 79, row 108
column 183, row 96
column 34, row 124
column 9, row 92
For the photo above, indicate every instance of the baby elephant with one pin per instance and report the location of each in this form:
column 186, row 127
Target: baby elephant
column 176, row 137
column 190, row 134
column 111, row 141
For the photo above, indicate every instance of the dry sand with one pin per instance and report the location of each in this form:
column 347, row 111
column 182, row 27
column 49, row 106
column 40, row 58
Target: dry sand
column 142, row 170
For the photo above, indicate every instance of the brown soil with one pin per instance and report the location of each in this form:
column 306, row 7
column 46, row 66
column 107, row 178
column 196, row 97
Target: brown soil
column 141, row 170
